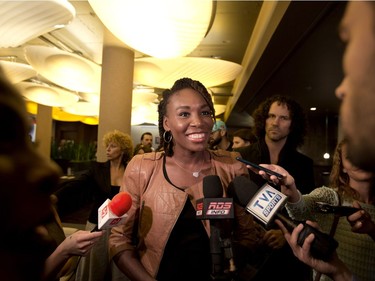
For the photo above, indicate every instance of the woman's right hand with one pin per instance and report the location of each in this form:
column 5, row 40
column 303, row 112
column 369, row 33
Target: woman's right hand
column 80, row 243
column 335, row 268
column 287, row 183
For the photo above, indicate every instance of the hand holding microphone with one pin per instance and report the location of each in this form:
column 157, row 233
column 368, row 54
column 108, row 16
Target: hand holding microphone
column 335, row 268
column 265, row 204
column 113, row 212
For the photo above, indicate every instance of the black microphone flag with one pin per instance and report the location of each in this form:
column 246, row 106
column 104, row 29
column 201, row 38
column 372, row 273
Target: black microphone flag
column 213, row 205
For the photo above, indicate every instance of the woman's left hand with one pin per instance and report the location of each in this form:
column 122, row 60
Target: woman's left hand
column 361, row 221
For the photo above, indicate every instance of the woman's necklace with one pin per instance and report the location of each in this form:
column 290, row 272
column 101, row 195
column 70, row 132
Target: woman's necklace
column 195, row 174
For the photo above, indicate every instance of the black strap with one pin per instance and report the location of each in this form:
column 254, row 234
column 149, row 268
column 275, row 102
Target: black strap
column 332, row 234
column 166, row 175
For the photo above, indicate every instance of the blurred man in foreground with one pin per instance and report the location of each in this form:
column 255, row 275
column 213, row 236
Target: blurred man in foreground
column 357, row 92
column 27, row 181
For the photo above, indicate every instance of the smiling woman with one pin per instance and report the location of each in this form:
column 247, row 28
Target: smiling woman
column 165, row 186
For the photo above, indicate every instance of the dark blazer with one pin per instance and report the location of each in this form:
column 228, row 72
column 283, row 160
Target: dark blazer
column 90, row 186
column 300, row 166
column 279, row 264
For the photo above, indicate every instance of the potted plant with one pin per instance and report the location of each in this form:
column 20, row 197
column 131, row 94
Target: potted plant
column 73, row 157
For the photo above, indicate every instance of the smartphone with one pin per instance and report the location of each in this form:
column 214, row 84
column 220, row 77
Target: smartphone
column 268, row 171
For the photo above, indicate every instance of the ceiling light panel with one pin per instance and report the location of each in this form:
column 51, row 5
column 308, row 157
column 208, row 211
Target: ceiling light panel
column 65, row 69
column 17, row 72
column 21, row 21
column 59, row 115
column 46, row 95
column 162, row 73
column 159, row 28
column 83, row 108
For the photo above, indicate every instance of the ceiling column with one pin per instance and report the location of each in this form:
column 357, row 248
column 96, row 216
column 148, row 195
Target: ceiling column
column 116, row 90
column 43, row 132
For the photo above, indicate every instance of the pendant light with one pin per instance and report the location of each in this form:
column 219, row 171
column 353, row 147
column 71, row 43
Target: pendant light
column 158, row 28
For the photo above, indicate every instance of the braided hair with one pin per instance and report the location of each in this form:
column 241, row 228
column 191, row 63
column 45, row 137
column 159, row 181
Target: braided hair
column 180, row 84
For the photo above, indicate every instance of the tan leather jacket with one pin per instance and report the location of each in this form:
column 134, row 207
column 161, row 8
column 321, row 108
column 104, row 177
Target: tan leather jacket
column 157, row 204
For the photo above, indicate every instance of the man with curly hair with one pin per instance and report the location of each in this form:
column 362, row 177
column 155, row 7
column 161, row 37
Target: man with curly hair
column 280, row 126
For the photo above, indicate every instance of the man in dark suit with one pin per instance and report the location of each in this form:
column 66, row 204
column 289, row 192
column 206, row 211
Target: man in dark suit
column 280, row 125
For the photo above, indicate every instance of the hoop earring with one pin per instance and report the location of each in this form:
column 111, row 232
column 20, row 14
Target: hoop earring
column 167, row 136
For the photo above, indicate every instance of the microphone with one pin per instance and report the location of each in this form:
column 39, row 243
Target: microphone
column 265, row 204
column 113, row 212
column 213, row 207
column 341, row 211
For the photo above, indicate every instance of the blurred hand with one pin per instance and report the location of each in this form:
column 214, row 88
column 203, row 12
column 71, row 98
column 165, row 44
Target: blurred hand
column 334, row 268
column 274, row 239
column 80, row 243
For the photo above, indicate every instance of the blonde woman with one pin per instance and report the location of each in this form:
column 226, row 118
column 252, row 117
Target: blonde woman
column 100, row 182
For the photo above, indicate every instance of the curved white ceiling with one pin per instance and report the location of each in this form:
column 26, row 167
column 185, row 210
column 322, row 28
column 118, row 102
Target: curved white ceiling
column 21, row 21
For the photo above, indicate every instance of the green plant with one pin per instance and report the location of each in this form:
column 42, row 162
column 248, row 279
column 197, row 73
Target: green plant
column 74, row 152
